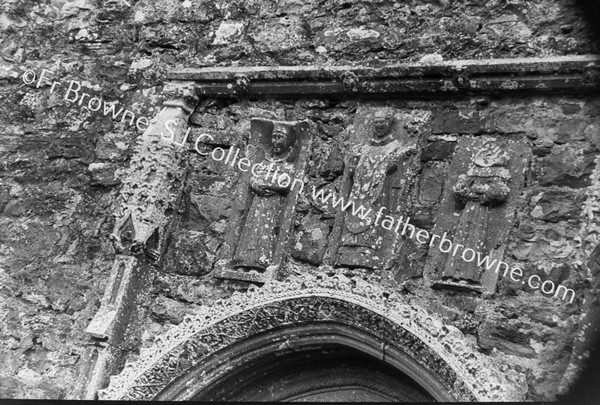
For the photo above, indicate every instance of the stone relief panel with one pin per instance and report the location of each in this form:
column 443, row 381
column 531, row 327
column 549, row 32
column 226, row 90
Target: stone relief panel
column 261, row 217
column 476, row 212
column 325, row 173
column 379, row 171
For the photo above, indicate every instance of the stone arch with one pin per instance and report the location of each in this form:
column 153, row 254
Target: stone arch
column 350, row 312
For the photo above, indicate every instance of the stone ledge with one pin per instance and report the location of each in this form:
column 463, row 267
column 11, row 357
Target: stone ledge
column 491, row 76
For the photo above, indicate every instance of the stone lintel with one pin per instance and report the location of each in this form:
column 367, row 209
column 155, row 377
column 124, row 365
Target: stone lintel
column 491, row 76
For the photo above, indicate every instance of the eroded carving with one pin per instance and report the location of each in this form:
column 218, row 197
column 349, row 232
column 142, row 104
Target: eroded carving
column 485, row 185
column 242, row 83
column 477, row 212
column 377, row 177
column 152, row 192
column 260, row 226
column 350, row 81
column 144, row 216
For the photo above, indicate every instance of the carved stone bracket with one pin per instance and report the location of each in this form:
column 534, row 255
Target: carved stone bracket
column 461, row 79
column 182, row 95
column 242, row 83
column 350, row 81
column 440, row 349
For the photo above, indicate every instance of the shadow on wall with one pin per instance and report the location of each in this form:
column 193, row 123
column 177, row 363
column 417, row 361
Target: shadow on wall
column 586, row 389
column 590, row 10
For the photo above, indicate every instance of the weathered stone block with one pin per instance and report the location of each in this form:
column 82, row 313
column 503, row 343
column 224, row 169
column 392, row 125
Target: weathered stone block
column 570, row 108
column 208, row 208
column 188, row 254
column 504, row 337
column 558, row 205
column 165, row 309
column 311, row 239
column 70, row 147
column 103, row 174
column 112, row 147
column 571, row 129
column 567, row 166
column 15, row 208
column 280, row 35
column 432, row 182
column 438, row 150
column 542, row 147
column 455, row 121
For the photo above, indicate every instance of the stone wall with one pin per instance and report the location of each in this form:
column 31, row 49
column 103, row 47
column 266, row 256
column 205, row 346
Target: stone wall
column 62, row 165
column 521, row 327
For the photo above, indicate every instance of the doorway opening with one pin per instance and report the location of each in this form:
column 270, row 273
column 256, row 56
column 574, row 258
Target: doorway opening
column 319, row 373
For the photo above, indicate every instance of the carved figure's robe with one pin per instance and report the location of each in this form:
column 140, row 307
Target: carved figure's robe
column 371, row 188
column 259, row 235
column 472, row 233
column 480, row 189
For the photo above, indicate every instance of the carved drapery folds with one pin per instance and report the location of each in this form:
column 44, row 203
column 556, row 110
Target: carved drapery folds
column 477, row 212
column 260, row 224
column 378, row 175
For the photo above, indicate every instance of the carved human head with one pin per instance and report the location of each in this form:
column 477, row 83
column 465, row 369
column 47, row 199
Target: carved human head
column 281, row 139
column 382, row 123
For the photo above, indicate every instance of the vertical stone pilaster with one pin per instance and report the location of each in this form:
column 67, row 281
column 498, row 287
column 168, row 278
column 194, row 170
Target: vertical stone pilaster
column 145, row 213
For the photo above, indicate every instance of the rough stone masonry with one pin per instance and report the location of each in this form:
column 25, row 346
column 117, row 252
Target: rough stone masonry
column 77, row 306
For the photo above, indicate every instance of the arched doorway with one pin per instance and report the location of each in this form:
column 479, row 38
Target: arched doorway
column 319, row 337
column 292, row 362
column 320, row 372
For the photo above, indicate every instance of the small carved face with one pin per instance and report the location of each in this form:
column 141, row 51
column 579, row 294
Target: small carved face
column 281, row 141
column 382, row 124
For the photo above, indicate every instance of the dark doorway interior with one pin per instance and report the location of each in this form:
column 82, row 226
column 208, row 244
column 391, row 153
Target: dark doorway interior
column 324, row 374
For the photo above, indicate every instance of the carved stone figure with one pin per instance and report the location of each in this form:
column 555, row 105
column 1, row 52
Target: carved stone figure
column 476, row 213
column 258, row 233
column 485, row 185
column 376, row 181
